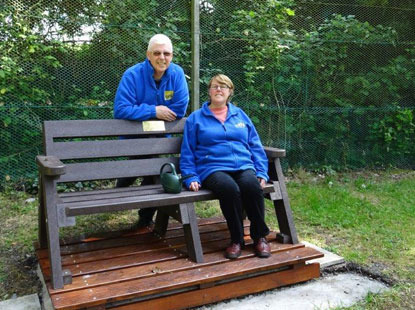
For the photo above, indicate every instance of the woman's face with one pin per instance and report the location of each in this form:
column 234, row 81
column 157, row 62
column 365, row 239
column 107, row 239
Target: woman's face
column 219, row 92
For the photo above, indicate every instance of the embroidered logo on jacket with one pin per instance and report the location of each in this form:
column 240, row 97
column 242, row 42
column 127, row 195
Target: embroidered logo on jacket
column 240, row 125
column 168, row 94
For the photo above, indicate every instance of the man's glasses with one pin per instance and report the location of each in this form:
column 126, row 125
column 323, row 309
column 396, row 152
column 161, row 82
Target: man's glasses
column 221, row 87
column 158, row 53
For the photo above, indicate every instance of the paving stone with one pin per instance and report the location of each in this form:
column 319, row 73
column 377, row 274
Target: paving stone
column 28, row 302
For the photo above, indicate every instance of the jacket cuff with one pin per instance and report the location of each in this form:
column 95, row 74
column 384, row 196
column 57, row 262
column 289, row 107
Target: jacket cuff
column 153, row 112
column 262, row 176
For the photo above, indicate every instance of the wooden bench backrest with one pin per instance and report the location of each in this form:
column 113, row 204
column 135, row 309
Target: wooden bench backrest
column 87, row 156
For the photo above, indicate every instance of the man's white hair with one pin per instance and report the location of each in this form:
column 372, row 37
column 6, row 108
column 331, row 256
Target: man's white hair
column 159, row 39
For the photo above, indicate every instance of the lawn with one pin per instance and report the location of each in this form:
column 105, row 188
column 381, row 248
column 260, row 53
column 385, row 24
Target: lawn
column 366, row 217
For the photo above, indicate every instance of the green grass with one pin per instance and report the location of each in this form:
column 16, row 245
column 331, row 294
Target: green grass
column 367, row 217
column 400, row 297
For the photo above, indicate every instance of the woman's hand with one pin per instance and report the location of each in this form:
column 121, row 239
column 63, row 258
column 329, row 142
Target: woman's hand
column 195, row 186
column 261, row 182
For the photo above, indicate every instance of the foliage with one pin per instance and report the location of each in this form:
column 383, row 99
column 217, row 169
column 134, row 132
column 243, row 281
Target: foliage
column 25, row 59
column 324, row 88
column 395, row 134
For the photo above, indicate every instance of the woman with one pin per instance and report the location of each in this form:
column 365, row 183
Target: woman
column 221, row 150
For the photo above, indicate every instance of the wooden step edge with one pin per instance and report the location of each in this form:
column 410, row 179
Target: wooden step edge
column 128, row 273
column 195, row 298
column 174, row 281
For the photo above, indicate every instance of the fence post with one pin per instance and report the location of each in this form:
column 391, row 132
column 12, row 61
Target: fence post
column 195, row 90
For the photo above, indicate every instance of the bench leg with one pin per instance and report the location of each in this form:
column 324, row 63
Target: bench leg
column 42, row 234
column 288, row 233
column 58, row 276
column 191, row 232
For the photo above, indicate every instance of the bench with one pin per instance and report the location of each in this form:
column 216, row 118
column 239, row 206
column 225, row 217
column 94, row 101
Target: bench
column 86, row 150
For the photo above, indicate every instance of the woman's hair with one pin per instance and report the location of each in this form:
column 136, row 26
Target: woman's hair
column 223, row 79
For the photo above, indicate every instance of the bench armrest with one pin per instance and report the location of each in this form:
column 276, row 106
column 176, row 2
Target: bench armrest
column 50, row 165
column 273, row 152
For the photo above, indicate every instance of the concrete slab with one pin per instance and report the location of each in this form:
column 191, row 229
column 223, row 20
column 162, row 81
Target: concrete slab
column 329, row 259
column 324, row 293
column 28, row 302
column 46, row 301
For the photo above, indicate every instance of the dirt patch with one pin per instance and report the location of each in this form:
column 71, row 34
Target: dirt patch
column 19, row 276
column 373, row 272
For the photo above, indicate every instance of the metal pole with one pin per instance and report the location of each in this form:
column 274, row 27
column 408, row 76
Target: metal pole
column 195, row 89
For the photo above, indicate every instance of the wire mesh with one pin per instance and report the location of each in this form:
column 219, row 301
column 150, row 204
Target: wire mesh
column 332, row 83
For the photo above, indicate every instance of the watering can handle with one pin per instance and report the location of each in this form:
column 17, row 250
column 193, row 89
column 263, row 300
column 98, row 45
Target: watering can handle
column 173, row 168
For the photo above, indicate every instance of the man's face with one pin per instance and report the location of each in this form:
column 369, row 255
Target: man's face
column 160, row 57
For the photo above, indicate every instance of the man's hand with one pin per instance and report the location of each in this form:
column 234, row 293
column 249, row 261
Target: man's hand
column 164, row 113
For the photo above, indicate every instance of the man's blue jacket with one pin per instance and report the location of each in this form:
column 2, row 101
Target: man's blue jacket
column 137, row 95
column 209, row 146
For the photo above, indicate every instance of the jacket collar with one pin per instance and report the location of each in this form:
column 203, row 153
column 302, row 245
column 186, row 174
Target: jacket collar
column 206, row 111
column 150, row 69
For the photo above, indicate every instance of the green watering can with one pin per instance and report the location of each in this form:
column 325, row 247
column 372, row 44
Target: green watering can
column 171, row 181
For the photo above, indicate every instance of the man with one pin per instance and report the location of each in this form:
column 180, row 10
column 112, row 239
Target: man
column 154, row 88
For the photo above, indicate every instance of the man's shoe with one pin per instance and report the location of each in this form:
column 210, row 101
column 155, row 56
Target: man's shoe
column 144, row 223
column 262, row 248
column 233, row 251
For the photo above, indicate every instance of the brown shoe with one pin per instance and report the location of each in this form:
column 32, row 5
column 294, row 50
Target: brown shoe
column 262, row 248
column 233, row 251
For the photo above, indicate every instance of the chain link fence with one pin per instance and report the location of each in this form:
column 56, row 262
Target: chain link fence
column 332, row 83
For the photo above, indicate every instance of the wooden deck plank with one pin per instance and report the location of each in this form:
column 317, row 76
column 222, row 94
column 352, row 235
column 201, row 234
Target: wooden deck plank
column 143, row 268
column 141, row 255
column 119, row 262
column 226, row 291
column 125, row 240
column 174, row 226
column 108, row 253
column 171, row 281
column 140, row 258
column 154, row 277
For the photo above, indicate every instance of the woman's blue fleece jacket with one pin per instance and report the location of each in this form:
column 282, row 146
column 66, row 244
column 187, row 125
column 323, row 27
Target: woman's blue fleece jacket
column 209, row 146
column 137, row 95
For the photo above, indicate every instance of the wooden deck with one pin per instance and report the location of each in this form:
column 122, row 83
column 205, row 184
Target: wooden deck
column 139, row 270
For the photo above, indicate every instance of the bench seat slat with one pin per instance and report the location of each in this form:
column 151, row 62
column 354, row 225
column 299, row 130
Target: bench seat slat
column 114, row 195
column 108, row 190
column 115, row 148
column 114, row 169
column 114, row 202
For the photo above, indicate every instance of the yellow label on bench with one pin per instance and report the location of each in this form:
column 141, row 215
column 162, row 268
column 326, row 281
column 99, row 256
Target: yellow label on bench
column 154, row 126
